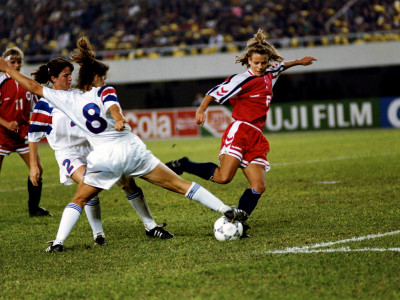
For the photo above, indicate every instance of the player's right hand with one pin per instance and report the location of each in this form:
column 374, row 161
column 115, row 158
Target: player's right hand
column 200, row 117
column 34, row 175
column 3, row 65
column 13, row 126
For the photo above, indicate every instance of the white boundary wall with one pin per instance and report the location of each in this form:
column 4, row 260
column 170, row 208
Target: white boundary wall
column 220, row 65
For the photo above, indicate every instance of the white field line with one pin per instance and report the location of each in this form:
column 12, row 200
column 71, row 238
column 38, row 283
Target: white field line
column 24, row 188
column 330, row 159
column 311, row 249
column 275, row 164
column 343, row 249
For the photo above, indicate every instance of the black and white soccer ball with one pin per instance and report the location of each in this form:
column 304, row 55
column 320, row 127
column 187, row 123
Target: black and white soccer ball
column 227, row 231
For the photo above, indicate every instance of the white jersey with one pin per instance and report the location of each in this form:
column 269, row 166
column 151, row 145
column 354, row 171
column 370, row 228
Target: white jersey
column 115, row 153
column 64, row 137
column 48, row 121
column 89, row 111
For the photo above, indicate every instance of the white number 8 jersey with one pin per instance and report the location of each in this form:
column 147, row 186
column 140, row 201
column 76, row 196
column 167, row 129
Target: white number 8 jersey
column 89, row 111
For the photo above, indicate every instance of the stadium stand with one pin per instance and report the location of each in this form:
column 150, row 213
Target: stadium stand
column 154, row 28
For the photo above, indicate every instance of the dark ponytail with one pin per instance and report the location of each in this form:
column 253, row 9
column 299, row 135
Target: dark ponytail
column 90, row 66
column 52, row 68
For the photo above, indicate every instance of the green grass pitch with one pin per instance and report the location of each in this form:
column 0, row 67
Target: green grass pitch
column 327, row 227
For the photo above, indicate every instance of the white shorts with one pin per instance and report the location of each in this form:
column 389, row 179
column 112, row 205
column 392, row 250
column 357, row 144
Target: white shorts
column 70, row 159
column 109, row 161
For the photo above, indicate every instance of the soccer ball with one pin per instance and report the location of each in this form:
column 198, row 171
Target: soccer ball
column 227, row 231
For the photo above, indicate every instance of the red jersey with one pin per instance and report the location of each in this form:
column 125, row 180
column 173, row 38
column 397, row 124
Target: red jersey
column 249, row 95
column 16, row 103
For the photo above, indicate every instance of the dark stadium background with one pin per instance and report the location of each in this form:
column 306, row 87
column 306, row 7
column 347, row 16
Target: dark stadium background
column 355, row 83
column 138, row 30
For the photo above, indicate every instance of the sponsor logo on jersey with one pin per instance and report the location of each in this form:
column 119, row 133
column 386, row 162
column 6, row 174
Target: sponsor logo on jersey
column 222, row 92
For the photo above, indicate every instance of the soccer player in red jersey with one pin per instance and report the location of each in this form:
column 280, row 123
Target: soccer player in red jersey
column 16, row 104
column 243, row 143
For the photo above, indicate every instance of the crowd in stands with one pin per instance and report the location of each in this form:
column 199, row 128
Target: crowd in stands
column 45, row 27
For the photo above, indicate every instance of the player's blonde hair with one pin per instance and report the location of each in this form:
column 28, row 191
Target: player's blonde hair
column 13, row 53
column 258, row 44
column 90, row 66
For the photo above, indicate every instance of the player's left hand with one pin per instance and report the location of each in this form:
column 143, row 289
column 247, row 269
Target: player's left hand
column 307, row 60
column 120, row 124
column 34, row 175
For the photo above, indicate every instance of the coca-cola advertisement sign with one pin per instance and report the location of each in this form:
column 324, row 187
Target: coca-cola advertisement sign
column 163, row 123
column 177, row 122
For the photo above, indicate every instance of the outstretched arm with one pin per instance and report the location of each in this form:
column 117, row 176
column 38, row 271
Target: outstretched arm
column 305, row 61
column 29, row 84
column 201, row 111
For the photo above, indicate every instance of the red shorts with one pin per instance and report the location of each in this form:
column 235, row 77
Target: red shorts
column 245, row 142
column 14, row 142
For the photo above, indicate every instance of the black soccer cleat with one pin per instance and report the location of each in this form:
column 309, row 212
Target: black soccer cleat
column 55, row 248
column 236, row 214
column 100, row 240
column 40, row 212
column 244, row 235
column 159, row 232
column 177, row 165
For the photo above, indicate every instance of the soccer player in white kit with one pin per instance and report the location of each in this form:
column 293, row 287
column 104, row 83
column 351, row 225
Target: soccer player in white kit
column 71, row 149
column 116, row 150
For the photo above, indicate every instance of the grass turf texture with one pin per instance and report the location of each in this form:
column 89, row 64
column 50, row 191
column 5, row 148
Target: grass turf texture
column 322, row 187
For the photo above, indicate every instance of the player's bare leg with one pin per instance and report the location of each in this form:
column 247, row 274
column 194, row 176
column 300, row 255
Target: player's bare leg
column 225, row 173
column 77, row 176
column 255, row 174
column 164, row 177
column 84, row 193
column 136, row 198
column 92, row 210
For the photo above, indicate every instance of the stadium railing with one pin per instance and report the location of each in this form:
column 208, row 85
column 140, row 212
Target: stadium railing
column 202, row 49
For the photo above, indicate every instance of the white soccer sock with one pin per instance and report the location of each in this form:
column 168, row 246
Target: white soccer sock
column 139, row 203
column 198, row 193
column 69, row 218
column 93, row 213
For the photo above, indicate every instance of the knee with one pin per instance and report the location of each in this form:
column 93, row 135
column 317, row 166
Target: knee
column 80, row 201
column 128, row 189
column 260, row 188
column 223, row 178
column 125, row 187
column 128, row 186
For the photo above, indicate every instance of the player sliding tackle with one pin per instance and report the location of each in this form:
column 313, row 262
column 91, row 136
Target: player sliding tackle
column 116, row 150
